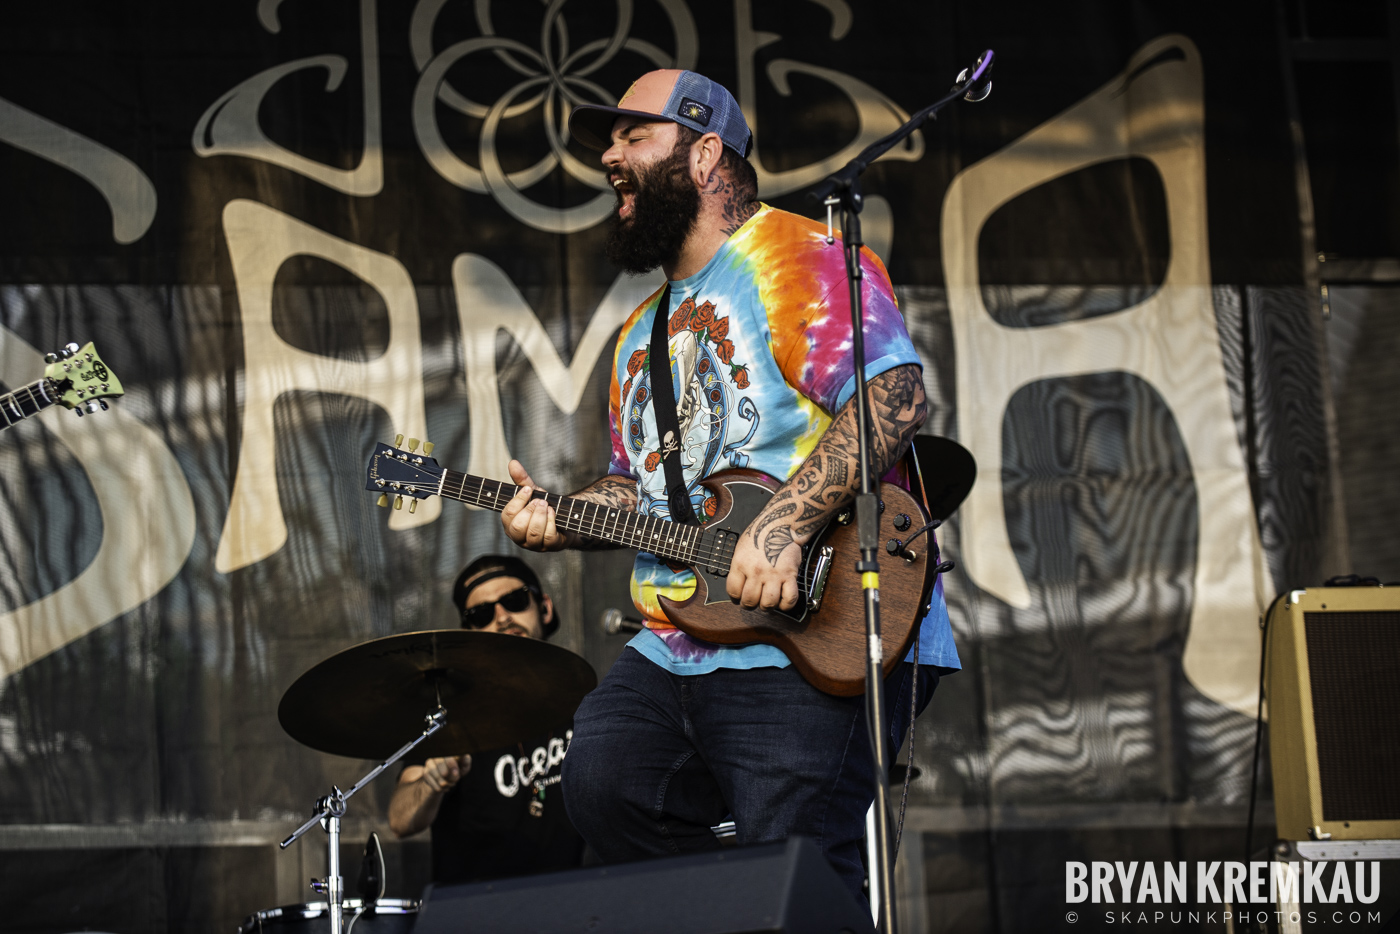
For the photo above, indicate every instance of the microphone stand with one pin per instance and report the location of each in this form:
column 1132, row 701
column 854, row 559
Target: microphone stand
column 842, row 189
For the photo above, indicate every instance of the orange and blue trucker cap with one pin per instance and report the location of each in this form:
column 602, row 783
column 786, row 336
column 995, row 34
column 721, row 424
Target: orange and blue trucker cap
column 669, row 94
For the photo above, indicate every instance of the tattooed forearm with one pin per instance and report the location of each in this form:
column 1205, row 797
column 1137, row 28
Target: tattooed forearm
column 776, row 511
column 613, row 491
column 776, row 540
column 830, row 477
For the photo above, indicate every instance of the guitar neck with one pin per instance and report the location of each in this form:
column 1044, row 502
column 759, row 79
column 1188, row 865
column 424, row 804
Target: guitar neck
column 26, row 401
column 688, row 544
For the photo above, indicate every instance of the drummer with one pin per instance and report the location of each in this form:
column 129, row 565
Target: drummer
column 499, row 813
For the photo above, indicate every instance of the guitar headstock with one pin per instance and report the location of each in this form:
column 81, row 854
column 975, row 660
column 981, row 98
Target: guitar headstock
column 82, row 379
column 396, row 472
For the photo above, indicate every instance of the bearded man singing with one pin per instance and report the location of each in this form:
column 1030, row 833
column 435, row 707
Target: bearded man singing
column 682, row 733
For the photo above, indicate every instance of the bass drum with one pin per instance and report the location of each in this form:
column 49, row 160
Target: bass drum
column 388, row 916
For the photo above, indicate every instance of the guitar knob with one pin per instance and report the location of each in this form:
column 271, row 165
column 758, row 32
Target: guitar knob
column 901, row 522
column 894, row 546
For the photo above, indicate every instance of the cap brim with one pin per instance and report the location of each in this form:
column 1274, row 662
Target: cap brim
column 591, row 124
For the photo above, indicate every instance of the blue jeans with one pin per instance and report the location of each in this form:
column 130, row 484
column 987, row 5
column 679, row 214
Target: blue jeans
column 657, row 759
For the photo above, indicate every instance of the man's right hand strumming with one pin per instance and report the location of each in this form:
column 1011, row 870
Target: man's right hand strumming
column 530, row 522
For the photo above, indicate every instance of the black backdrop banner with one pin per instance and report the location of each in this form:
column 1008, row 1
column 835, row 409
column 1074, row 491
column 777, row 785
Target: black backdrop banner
column 295, row 228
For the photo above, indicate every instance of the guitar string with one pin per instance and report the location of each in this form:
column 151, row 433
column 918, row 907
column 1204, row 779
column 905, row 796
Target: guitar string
column 642, row 532
column 39, row 398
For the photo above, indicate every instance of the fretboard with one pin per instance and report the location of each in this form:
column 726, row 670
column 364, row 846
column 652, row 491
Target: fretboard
column 688, row 544
column 26, row 401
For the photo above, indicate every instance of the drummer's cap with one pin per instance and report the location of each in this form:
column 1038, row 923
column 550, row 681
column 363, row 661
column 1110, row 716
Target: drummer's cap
column 670, row 94
column 490, row 567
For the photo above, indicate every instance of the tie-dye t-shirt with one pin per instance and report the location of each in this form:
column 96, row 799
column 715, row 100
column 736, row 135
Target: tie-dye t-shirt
column 760, row 345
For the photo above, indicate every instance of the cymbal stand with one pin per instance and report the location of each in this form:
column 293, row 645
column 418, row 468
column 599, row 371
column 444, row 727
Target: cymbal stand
column 330, row 809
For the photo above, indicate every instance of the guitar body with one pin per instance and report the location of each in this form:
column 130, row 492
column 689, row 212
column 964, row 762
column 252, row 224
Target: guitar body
column 827, row 645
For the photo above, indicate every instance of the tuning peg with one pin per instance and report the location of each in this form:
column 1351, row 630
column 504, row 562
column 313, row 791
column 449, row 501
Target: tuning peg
column 427, row 448
column 412, row 445
column 50, row 358
column 103, row 403
column 70, row 348
column 398, row 441
column 413, row 506
column 383, row 499
column 79, row 411
column 398, row 502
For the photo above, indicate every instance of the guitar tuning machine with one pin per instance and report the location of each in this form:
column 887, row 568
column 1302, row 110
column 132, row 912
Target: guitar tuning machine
column 50, row 358
column 413, row 506
column 69, row 349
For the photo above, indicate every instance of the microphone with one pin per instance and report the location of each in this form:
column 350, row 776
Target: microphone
column 980, row 84
column 614, row 622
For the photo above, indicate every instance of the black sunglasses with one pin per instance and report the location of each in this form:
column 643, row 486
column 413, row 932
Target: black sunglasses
column 481, row 615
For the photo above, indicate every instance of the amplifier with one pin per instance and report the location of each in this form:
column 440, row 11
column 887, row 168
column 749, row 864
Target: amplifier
column 1332, row 680
column 779, row 887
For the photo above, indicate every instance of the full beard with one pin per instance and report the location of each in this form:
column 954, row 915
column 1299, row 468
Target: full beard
column 665, row 205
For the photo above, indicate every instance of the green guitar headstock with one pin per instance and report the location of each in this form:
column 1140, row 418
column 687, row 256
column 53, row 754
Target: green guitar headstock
column 81, row 378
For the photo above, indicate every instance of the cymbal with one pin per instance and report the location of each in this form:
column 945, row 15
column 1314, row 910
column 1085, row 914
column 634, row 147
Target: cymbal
column 370, row 699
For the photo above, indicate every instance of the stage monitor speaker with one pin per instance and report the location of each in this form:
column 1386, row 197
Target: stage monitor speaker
column 1332, row 680
column 779, row 887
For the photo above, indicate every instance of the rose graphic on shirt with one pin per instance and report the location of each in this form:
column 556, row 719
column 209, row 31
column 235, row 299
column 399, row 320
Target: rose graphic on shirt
column 708, row 378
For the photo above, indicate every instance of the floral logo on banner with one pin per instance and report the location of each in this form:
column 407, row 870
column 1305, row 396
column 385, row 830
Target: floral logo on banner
column 553, row 79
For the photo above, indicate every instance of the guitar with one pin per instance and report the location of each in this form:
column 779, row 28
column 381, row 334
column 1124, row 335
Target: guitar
column 823, row 635
column 75, row 377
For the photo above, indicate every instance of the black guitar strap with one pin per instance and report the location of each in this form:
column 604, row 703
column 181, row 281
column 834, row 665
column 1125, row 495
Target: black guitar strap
column 663, row 406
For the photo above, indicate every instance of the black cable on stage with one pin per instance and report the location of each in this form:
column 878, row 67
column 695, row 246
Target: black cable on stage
column 909, row 766
column 1258, row 728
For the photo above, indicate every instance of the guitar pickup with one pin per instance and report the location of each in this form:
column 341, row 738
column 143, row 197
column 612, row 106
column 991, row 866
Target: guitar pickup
column 820, row 570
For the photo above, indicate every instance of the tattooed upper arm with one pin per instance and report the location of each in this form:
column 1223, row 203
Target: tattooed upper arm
column 898, row 407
